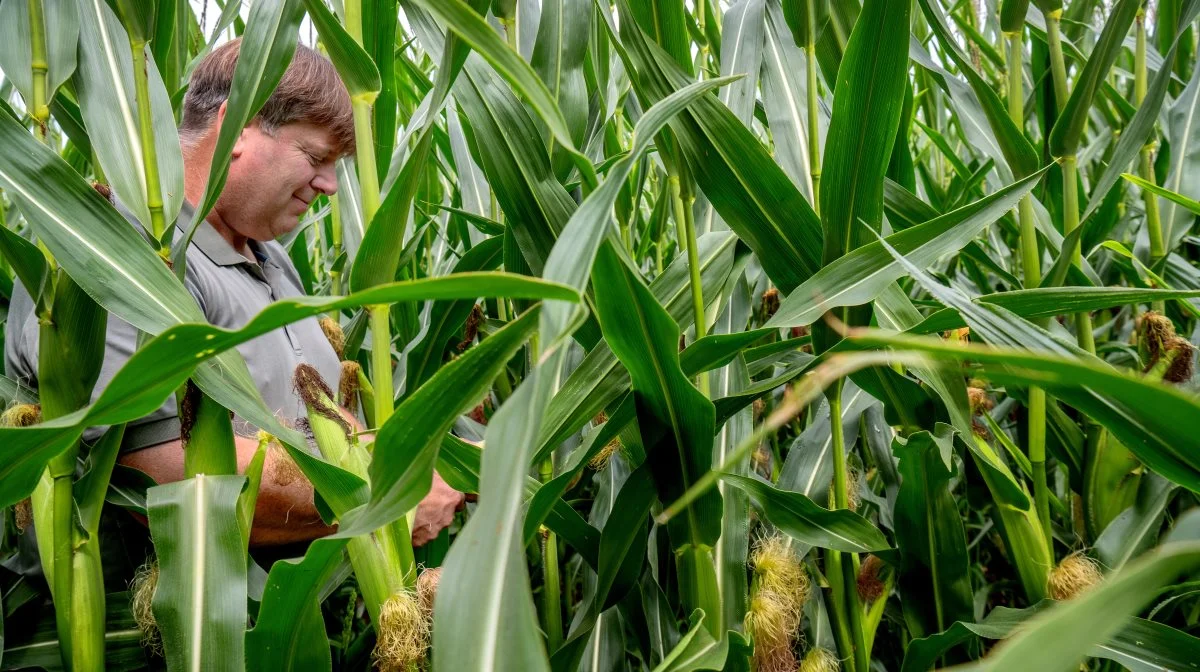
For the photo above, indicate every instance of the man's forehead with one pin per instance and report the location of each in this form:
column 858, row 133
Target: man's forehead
column 317, row 137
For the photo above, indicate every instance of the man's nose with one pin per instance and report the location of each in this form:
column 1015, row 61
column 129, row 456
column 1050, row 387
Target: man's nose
column 325, row 181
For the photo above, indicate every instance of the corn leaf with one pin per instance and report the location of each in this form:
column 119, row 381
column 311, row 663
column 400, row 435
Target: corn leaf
column 490, row 601
column 867, row 270
column 200, row 601
column 866, row 112
column 749, row 190
column 406, row 446
column 802, row 519
column 1067, row 132
column 1138, row 130
column 473, row 30
column 1139, row 412
column 599, row 380
column 1061, row 636
column 570, row 261
column 357, row 70
column 1050, row 301
column 930, row 533
column 104, row 83
column 61, row 45
column 676, row 420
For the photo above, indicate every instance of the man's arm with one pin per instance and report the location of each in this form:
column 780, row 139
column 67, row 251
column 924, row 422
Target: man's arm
column 283, row 514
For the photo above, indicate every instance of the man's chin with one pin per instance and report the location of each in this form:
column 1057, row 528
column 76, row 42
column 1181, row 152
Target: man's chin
column 284, row 226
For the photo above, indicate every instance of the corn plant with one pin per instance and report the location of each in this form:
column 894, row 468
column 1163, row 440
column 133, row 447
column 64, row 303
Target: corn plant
column 764, row 335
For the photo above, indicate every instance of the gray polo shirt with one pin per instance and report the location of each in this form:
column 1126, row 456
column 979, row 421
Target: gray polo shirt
column 230, row 290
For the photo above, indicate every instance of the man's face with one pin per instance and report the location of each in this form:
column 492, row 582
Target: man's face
column 273, row 178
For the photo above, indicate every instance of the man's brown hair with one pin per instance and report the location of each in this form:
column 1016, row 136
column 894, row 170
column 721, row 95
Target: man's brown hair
column 310, row 91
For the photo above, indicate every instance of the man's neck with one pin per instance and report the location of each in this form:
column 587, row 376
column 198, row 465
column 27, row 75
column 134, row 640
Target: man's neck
column 197, row 160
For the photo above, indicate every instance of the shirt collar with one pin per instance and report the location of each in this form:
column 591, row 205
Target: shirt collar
column 213, row 244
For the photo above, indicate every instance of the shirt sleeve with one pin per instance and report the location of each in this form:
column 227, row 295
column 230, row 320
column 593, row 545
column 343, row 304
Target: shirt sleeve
column 20, row 362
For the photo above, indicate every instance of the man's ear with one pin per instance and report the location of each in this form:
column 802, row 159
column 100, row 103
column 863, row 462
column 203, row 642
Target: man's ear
column 239, row 144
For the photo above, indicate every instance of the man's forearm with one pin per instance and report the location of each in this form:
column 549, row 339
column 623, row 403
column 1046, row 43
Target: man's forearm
column 284, row 512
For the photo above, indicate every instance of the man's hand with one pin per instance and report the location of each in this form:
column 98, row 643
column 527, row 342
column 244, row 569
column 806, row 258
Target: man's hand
column 436, row 511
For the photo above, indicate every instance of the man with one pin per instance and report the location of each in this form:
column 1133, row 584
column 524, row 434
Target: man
column 283, row 159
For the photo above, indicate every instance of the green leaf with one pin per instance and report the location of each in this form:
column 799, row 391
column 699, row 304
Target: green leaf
column 1181, row 170
column 676, row 420
column 446, row 318
column 666, row 24
column 107, row 100
column 158, row 368
column 382, row 250
column 39, row 647
column 785, row 96
column 1141, row 413
column 489, row 603
column 1141, row 645
column 1190, row 204
column 698, row 650
column 558, row 58
column 1052, row 301
column 599, row 379
column 1012, row 15
column 808, row 468
column 1138, row 130
column 1061, row 636
column 200, row 602
column 572, row 257
column 867, row 101
column 935, row 577
column 1064, row 138
column 868, row 270
column 138, row 17
column 512, row 154
column 1136, row 528
column 357, row 70
column 61, row 44
column 800, row 518
column 473, row 30
column 26, row 260
column 1018, row 152
column 290, row 633
column 406, row 446
column 733, row 170
column 402, row 468
column 732, row 549
column 12, row 392
column 623, row 540
column 547, row 495
column 742, row 54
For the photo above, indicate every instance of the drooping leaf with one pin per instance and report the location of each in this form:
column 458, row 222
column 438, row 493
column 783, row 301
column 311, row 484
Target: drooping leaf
column 866, row 271
column 800, row 518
